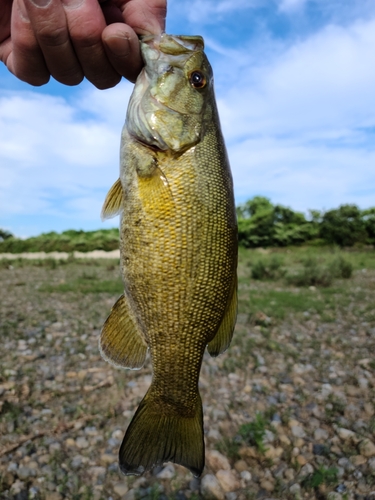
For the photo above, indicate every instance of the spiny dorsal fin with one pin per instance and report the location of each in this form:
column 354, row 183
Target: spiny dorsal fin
column 113, row 201
column 223, row 337
column 121, row 343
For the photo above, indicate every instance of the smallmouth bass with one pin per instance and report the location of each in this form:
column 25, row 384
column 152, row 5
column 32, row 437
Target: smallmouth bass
column 178, row 243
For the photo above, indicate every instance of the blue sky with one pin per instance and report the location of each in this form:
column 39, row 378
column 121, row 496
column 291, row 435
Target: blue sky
column 295, row 85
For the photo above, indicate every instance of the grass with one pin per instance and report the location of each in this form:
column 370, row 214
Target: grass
column 253, row 433
column 82, row 285
column 321, row 475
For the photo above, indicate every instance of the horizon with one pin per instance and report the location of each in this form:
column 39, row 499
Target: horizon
column 293, row 81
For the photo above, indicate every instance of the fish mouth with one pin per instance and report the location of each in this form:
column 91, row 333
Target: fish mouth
column 173, row 44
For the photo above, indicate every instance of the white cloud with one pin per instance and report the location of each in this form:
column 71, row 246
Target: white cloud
column 321, row 86
column 300, row 127
column 210, row 11
column 291, row 5
column 53, row 151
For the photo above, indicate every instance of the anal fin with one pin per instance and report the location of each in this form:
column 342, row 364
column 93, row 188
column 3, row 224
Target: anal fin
column 113, row 202
column 223, row 337
column 120, row 341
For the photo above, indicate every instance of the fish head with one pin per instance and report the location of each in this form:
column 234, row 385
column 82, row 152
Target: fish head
column 170, row 97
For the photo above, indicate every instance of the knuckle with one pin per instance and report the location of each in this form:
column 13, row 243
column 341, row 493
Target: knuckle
column 55, row 38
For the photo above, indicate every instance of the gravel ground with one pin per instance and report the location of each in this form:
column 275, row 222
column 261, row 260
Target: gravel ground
column 289, row 408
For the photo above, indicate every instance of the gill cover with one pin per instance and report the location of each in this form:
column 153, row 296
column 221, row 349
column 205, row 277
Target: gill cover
column 166, row 109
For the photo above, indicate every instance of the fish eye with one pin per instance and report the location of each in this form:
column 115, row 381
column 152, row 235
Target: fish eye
column 197, row 79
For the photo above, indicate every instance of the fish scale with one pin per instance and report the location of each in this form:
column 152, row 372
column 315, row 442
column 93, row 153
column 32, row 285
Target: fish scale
column 178, row 250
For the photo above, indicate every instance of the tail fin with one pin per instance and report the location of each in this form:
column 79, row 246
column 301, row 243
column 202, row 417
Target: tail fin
column 153, row 438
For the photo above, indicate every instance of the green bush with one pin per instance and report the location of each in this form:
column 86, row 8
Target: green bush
column 341, row 268
column 261, row 224
column 4, row 235
column 312, row 274
column 344, row 226
column 67, row 241
column 268, row 268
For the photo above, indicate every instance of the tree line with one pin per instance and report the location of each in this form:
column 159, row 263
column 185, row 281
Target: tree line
column 260, row 224
column 263, row 224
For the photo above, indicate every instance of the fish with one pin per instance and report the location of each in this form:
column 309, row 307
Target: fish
column 178, row 250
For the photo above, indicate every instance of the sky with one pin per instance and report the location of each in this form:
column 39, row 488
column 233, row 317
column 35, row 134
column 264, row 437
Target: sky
column 295, row 87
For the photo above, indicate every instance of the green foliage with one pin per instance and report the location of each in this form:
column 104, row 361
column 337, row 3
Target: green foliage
column 253, row 433
column 268, row 268
column 262, row 224
column 368, row 217
column 315, row 273
column 67, row 241
column 320, row 476
column 344, row 226
column 4, row 235
column 229, row 448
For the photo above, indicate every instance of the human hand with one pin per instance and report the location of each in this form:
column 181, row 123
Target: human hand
column 73, row 39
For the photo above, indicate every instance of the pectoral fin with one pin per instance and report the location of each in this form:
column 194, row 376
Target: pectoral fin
column 223, row 337
column 156, row 193
column 113, row 201
column 121, row 343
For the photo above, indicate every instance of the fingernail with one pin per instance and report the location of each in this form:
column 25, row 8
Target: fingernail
column 22, row 11
column 40, row 3
column 72, row 4
column 117, row 44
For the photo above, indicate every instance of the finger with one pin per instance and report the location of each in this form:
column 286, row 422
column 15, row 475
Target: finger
column 146, row 17
column 5, row 15
column 23, row 55
column 86, row 23
column 122, row 47
column 48, row 21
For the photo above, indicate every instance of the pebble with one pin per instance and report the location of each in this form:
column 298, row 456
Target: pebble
column 53, row 496
column 295, row 489
column 358, row 460
column 246, row 475
column 25, row 472
column 320, row 435
column 120, row 489
column 240, row 466
column 289, row 474
column 267, row 485
column 210, row 487
column 82, row 443
column 333, row 495
column 272, row 452
column 345, row 434
column 228, row 480
column 108, row 458
column 97, row 471
column 367, row 448
column 217, row 461
column 306, row 470
column 167, row 473
column 298, row 431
